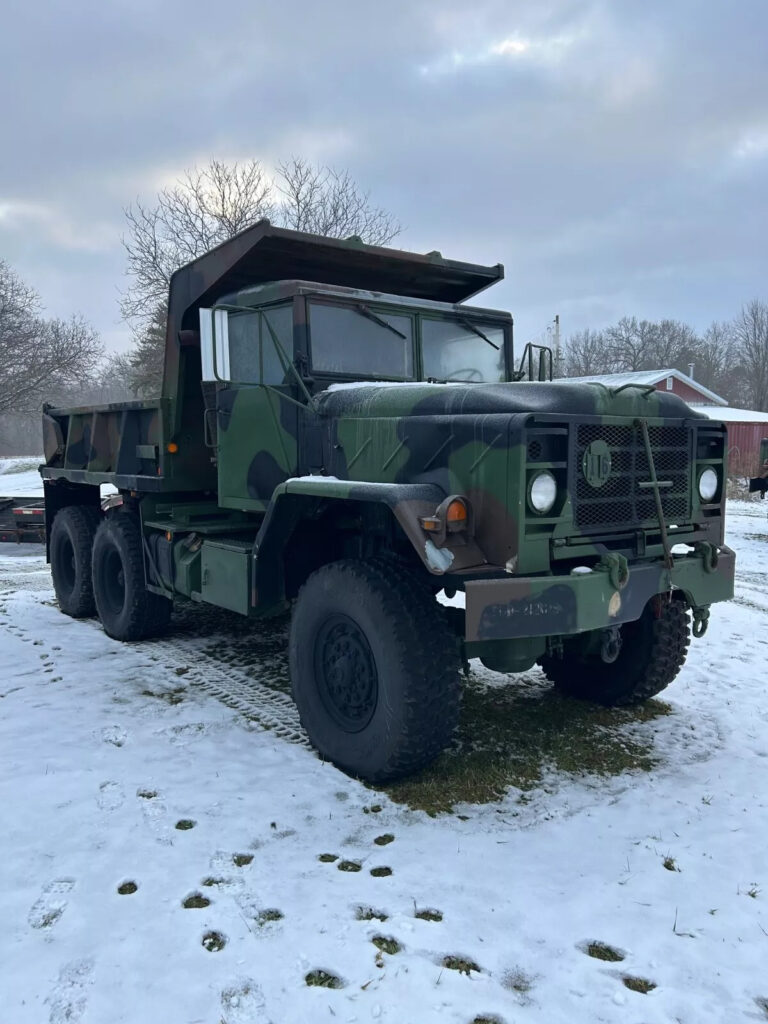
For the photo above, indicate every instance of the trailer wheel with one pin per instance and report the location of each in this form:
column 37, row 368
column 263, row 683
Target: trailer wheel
column 653, row 650
column 128, row 611
column 71, row 541
column 374, row 668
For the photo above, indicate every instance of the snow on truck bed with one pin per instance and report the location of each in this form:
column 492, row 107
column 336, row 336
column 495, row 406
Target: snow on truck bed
column 173, row 850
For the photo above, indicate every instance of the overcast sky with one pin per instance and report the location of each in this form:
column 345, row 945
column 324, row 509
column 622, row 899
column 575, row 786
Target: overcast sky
column 612, row 154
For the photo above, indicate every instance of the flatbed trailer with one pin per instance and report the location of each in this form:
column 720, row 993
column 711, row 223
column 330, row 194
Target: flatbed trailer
column 22, row 520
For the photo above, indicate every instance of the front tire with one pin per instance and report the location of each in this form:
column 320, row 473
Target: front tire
column 653, row 650
column 374, row 668
column 71, row 541
column 128, row 611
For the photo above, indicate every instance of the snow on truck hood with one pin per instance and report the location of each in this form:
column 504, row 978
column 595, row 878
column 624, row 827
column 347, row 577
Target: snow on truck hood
column 395, row 398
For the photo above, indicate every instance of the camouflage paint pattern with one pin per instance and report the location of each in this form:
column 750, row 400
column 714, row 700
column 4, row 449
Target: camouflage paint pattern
column 405, row 448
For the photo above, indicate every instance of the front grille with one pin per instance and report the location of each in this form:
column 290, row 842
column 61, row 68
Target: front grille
column 621, row 501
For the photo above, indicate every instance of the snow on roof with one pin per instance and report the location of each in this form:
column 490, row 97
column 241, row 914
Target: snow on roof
column 615, row 380
column 731, row 415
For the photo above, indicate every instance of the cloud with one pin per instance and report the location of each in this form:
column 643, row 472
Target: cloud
column 55, row 226
column 611, row 155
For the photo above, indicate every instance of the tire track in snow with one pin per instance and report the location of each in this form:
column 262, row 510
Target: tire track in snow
column 268, row 708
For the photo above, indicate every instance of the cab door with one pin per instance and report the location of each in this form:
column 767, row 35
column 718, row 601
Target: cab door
column 256, row 404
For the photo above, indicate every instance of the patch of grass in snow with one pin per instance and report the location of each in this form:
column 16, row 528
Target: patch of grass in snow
column 268, row 916
column 214, row 941
column 127, row 888
column 195, row 901
column 169, row 696
column 327, row 858
column 349, row 865
column 670, row 863
column 184, row 824
column 429, row 914
column 369, row 914
column 511, row 735
column 762, row 1004
column 462, row 964
column 385, row 839
column 517, row 981
column 386, row 944
column 602, row 951
column 638, row 984
column 323, row 979
column 382, row 872
column 484, row 1019
column 242, row 859
column 146, row 794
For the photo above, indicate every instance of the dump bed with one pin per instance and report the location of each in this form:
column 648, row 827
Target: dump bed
column 122, row 444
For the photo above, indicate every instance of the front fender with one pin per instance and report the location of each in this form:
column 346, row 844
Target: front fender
column 407, row 502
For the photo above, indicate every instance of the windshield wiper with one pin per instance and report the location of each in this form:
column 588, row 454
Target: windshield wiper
column 478, row 332
column 370, row 315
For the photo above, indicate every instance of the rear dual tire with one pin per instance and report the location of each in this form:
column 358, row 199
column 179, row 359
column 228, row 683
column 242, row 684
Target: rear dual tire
column 70, row 546
column 128, row 611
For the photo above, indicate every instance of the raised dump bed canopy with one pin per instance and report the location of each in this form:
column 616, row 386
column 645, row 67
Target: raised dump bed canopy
column 265, row 253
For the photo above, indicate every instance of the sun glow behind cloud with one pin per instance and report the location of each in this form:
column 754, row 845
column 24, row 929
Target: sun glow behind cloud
column 513, row 47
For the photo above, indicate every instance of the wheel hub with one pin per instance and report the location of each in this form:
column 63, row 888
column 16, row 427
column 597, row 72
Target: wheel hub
column 345, row 673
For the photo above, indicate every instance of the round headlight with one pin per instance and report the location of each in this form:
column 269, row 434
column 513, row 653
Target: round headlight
column 708, row 484
column 543, row 492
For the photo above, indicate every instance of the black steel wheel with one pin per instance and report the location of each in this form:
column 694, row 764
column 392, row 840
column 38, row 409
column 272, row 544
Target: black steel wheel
column 128, row 611
column 346, row 674
column 71, row 542
column 374, row 668
column 652, row 652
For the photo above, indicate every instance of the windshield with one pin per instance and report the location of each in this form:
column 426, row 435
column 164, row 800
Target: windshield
column 357, row 340
column 453, row 350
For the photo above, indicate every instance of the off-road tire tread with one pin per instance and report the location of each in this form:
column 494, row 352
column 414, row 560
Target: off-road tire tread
column 149, row 613
column 661, row 659
column 428, row 651
column 83, row 520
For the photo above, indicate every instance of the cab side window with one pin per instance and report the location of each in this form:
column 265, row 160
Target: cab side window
column 253, row 345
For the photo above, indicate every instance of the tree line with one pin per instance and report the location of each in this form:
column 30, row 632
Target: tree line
column 63, row 361
column 729, row 357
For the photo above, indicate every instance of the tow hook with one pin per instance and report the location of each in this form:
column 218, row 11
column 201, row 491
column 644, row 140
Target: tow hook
column 610, row 644
column 700, row 620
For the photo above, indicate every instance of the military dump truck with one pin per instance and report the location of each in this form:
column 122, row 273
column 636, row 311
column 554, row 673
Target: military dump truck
column 340, row 434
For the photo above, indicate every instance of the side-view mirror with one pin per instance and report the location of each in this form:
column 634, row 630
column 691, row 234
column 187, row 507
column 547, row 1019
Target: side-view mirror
column 214, row 344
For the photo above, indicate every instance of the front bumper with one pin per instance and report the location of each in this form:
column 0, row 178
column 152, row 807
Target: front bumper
column 507, row 609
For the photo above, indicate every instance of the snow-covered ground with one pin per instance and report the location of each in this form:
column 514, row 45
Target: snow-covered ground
column 176, row 772
column 19, row 477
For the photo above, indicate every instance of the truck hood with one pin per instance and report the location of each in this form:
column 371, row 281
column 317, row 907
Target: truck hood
column 371, row 399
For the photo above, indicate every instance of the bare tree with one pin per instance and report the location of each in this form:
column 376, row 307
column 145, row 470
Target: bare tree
column 671, row 344
column 586, row 354
column 39, row 358
column 211, row 204
column 750, row 333
column 325, row 201
column 716, row 363
column 204, row 208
